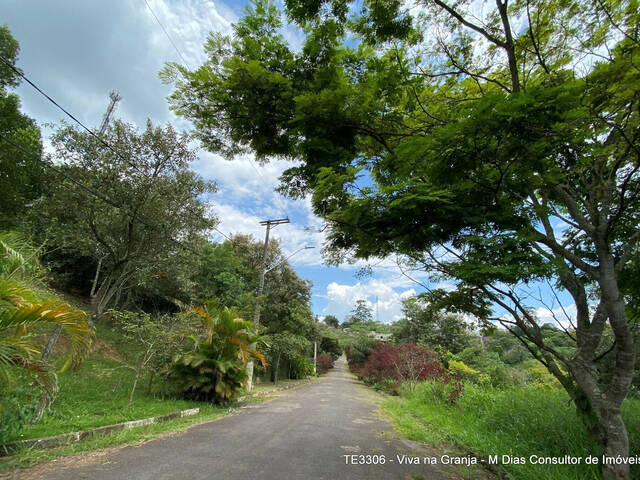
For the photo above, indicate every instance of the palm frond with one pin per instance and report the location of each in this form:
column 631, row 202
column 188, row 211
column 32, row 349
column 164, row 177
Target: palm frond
column 50, row 312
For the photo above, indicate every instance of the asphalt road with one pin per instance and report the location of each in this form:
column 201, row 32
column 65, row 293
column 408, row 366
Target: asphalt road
column 302, row 435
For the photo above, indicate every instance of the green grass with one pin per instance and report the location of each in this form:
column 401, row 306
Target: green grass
column 27, row 457
column 87, row 399
column 519, row 421
column 97, row 393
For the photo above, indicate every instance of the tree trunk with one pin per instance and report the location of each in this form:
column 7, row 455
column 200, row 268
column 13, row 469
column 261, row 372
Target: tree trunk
column 617, row 446
column 45, row 400
column 133, row 388
column 151, row 377
column 275, row 379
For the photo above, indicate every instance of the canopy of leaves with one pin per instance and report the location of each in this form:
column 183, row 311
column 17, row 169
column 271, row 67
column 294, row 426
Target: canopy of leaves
column 22, row 170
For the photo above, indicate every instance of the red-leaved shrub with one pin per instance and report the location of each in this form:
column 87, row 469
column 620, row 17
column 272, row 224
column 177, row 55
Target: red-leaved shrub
column 389, row 365
column 324, row 363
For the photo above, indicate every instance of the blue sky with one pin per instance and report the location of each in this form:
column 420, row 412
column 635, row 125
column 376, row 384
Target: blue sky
column 78, row 51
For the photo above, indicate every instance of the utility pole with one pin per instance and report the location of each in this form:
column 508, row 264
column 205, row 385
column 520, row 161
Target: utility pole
column 315, row 350
column 256, row 314
column 377, row 310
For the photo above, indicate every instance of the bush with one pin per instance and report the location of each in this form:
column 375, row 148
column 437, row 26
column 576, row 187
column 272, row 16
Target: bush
column 464, row 371
column 17, row 409
column 405, row 362
column 301, row 368
column 331, row 346
column 358, row 351
column 215, row 371
column 324, row 363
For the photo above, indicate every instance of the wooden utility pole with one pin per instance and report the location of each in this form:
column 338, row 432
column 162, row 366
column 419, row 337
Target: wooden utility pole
column 315, row 350
column 263, row 267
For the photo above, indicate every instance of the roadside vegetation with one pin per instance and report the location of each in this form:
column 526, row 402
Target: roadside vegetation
column 482, row 393
column 114, row 303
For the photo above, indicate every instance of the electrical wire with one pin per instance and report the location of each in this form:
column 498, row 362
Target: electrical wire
column 165, row 32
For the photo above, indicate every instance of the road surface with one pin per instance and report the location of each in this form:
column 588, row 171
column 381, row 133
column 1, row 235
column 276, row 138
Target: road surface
column 303, row 435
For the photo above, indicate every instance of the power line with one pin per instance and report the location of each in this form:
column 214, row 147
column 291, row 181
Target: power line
column 69, row 114
column 166, row 33
column 184, row 62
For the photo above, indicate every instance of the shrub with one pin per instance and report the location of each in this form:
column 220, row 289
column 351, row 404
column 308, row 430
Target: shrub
column 464, row 371
column 389, row 366
column 215, row 371
column 405, row 362
column 331, row 346
column 358, row 351
column 301, row 368
column 324, row 363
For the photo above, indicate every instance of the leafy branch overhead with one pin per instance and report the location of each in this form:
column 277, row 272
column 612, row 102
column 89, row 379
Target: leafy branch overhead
column 495, row 149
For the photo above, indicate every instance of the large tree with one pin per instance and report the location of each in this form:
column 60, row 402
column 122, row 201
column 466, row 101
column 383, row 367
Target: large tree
column 494, row 147
column 21, row 168
column 130, row 202
column 430, row 327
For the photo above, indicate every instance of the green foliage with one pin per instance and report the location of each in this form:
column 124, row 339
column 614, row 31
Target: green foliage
column 17, row 409
column 358, row 350
column 517, row 421
column 430, row 327
column 331, row 345
column 464, row 371
column 332, row 321
column 153, row 199
column 215, row 371
column 23, row 314
column 360, row 314
column 301, row 367
column 224, row 275
column 22, row 173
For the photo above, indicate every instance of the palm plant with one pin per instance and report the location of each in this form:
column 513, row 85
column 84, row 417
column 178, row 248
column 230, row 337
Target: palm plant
column 214, row 371
column 22, row 315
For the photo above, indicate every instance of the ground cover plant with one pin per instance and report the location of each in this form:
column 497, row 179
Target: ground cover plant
column 517, row 421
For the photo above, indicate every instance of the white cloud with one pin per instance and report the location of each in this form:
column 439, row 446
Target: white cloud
column 560, row 316
column 292, row 237
column 342, row 299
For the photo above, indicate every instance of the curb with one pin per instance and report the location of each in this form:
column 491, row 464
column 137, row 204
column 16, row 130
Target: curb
column 66, row 438
column 275, row 390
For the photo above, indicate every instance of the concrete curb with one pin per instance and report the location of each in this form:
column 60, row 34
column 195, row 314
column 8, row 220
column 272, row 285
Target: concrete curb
column 66, row 438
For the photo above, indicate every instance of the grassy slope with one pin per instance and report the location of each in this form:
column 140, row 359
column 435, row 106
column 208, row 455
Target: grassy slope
column 97, row 393
column 518, row 421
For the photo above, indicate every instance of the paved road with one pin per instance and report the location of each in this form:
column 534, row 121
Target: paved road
column 302, row 435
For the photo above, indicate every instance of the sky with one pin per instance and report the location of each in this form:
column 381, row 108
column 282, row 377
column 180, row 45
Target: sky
column 77, row 51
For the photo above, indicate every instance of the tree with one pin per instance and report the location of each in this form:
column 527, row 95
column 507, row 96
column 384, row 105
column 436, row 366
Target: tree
column 158, row 338
column 22, row 170
column 429, row 327
column 332, row 321
column 489, row 156
column 222, row 275
column 287, row 345
column 360, row 314
column 149, row 201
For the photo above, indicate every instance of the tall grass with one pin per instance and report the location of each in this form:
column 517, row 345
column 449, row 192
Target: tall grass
column 518, row 421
